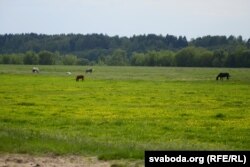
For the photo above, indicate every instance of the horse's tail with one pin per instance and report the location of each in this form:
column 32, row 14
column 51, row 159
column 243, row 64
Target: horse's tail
column 217, row 77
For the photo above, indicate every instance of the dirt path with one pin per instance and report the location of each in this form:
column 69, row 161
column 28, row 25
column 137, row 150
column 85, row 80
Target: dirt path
column 23, row 160
column 20, row 160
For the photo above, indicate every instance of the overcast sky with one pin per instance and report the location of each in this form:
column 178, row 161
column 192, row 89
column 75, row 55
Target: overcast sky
column 190, row 18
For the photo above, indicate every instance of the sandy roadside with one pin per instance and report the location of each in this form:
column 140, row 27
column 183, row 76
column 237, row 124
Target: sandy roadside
column 24, row 160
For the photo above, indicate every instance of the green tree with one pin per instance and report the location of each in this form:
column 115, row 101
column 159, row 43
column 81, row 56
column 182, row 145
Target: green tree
column 242, row 59
column 248, row 43
column 165, row 58
column 11, row 59
column 185, row 57
column 245, row 56
column 151, row 58
column 219, row 58
column 47, row 58
column 205, row 59
column 30, row 58
column 16, row 58
column 5, row 59
column 70, row 60
column 118, row 58
column 138, row 59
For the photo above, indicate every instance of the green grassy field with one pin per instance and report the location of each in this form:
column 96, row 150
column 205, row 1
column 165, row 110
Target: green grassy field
column 118, row 112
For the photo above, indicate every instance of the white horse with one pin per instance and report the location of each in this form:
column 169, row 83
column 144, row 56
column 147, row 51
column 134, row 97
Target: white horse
column 68, row 73
column 35, row 70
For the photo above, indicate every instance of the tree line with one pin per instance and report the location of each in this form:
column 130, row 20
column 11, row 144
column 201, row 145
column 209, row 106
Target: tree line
column 141, row 50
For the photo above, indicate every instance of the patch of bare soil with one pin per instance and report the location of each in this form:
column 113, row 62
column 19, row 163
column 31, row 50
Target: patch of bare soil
column 20, row 160
column 23, row 160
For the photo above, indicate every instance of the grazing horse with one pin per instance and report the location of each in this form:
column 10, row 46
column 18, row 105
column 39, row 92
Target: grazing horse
column 68, row 73
column 35, row 70
column 89, row 70
column 222, row 75
column 78, row 77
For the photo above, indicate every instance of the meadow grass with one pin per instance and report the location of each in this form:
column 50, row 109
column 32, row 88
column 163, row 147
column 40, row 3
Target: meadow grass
column 118, row 112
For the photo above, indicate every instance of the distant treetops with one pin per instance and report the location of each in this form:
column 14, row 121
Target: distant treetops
column 140, row 50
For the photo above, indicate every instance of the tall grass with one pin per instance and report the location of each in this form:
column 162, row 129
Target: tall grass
column 118, row 112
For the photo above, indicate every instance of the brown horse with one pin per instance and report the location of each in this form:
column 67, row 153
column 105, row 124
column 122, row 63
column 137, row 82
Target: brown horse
column 78, row 77
column 90, row 70
column 222, row 75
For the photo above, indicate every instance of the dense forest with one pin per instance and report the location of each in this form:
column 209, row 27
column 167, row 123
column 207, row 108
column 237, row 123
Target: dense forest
column 140, row 50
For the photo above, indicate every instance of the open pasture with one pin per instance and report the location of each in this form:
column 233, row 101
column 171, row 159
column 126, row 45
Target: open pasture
column 118, row 112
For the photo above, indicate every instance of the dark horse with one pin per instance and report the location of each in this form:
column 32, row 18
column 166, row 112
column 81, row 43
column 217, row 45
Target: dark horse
column 89, row 70
column 222, row 75
column 78, row 77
